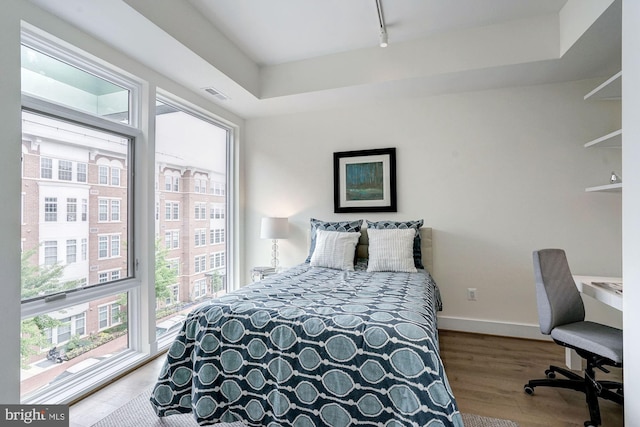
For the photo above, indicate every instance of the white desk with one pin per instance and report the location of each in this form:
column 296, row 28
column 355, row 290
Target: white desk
column 604, row 295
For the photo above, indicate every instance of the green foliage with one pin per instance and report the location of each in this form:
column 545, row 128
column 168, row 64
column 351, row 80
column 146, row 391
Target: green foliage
column 165, row 276
column 33, row 337
column 41, row 280
column 216, row 281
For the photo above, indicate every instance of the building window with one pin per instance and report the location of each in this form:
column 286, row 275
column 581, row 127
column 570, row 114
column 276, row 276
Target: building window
column 81, row 172
column 72, row 209
column 115, row 275
column 217, row 260
column 50, row 252
column 200, row 237
column 167, row 183
column 103, row 210
column 80, row 323
column 200, row 264
column 103, row 317
column 115, row 210
column 71, row 251
column 115, row 177
column 46, row 168
column 216, row 236
column 83, row 249
column 65, row 170
column 103, row 277
column 115, row 246
column 85, row 208
column 103, row 175
column 50, row 209
column 199, row 288
column 172, row 211
column 200, row 210
column 103, row 246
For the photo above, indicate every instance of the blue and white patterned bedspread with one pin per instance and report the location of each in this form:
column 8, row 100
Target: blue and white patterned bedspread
column 313, row 347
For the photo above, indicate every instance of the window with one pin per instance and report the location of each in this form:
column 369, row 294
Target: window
column 216, row 236
column 218, row 188
column 200, row 237
column 85, row 208
column 81, row 172
column 109, row 246
column 103, row 246
column 217, row 211
column 217, row 260
column 65, row 170
column 103, row 175
column 200, row 288
column 50, row 209
column 115, row 176
column 64, row 330
column 83, row 249
column 46, row 168
column 115, row 210
column 200, row 264
column 167, row 183
column 103, row 317
column 71, row 251
column 115, row 246
column 172, row 211
column 103, row 210
column 72, row 209
column 50, row 252
column 201, row 211
column 78, row 111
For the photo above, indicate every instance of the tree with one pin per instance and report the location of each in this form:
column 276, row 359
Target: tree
column 165, row 275
column 38, row 280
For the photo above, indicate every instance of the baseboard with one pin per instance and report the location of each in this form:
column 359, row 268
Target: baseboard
column 491, row 327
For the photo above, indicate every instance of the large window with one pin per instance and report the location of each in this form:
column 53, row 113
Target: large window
column 191, row 153
column 77, row 219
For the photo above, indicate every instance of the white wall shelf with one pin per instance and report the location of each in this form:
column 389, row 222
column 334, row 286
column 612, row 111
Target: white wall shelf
column 610, row 188
column 611, row 89
column 613, row 139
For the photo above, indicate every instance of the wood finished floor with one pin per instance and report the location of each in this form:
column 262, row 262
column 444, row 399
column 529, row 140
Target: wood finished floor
column 486, row 373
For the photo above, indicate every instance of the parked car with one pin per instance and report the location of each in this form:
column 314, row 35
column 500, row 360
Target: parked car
column 170, row 326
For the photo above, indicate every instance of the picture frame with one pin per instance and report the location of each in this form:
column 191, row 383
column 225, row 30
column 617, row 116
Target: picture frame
column 365, row 181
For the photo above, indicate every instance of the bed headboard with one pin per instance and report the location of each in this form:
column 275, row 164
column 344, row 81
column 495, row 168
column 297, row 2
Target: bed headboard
column 427, row 247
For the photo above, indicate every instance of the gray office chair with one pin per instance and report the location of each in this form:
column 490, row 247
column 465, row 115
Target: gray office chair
column 561, row 314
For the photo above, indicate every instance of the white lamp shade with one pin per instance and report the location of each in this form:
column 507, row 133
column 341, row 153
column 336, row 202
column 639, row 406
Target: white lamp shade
column 274, row 228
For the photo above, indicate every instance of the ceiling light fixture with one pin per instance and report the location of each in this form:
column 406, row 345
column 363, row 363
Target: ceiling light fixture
column 384, row 39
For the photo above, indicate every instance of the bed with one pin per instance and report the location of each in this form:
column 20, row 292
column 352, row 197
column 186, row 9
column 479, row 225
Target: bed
column 316, row 346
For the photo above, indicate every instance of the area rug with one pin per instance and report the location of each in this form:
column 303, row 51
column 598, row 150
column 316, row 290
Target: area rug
column 138, row 413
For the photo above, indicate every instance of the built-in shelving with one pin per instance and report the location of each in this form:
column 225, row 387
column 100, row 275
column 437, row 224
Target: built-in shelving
column 611, row 188
column 611, row 89
column 613, row 139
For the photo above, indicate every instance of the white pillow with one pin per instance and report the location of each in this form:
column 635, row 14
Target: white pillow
column 334, row 249
column 391, row 250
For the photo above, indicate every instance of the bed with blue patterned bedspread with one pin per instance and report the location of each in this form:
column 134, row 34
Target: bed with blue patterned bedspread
column 313, row 347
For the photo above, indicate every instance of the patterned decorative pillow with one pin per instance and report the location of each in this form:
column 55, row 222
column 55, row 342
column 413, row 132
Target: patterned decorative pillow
column 334, row 249
column 391, row 250
column 417, row 241
column 344, row 226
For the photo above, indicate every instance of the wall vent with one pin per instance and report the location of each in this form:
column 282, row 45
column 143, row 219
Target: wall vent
column 216, row 93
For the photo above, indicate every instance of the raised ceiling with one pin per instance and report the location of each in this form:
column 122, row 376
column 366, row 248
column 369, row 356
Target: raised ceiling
column 285, row 56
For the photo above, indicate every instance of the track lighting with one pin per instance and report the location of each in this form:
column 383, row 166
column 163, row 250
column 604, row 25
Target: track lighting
column 384, row 40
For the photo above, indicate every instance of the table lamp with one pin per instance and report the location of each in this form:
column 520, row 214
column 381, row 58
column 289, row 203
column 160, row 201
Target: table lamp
column 274, row 228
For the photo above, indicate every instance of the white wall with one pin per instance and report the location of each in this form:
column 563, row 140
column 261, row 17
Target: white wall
column 497, row 174
column 631, row 212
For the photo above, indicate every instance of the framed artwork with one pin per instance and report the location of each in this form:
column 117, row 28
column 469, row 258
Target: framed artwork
column 365, row 181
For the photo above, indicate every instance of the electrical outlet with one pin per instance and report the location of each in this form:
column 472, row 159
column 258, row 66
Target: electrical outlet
column 472, row 294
